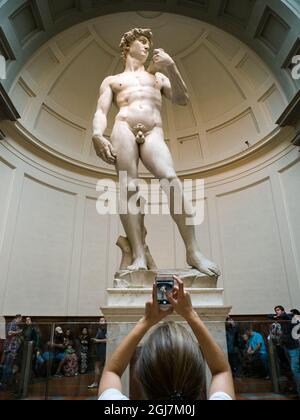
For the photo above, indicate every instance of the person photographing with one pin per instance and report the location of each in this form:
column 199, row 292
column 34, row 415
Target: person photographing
column 171, row 365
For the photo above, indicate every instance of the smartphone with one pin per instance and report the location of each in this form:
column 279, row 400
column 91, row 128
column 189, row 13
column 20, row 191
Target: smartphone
column 165, row 284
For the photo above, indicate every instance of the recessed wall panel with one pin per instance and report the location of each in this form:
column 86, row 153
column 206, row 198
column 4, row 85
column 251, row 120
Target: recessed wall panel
column 254, row 269
column 40, row 262
column 94, row 260
column 6, row 182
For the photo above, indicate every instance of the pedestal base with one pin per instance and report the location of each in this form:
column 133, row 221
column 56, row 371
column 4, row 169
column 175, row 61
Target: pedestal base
column 138, row 297
column 145, row 279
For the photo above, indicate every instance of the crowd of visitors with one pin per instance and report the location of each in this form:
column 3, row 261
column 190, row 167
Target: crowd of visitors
column 65, row 354
column 250, row 351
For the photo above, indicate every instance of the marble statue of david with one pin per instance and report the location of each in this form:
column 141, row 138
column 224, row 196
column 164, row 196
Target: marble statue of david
column 138, row 134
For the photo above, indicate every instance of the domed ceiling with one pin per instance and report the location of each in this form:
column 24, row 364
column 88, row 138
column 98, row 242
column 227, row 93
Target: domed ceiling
column 235, row 99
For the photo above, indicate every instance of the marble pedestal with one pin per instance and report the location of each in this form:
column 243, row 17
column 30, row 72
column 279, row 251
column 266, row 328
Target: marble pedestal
column 126, row 305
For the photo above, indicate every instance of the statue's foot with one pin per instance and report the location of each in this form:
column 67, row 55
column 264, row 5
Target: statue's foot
column 139, row 264
column 205, row 266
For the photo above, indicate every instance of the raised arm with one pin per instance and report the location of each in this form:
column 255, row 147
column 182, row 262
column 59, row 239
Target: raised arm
column 120, row 360
column 174, row 87
column 222, row 380
column 102, row 146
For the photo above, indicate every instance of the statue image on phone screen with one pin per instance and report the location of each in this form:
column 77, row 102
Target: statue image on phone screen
column 165, row 285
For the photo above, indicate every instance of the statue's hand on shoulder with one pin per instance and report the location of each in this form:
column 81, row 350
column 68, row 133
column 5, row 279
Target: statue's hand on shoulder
column 162, row 60
column 104, row 149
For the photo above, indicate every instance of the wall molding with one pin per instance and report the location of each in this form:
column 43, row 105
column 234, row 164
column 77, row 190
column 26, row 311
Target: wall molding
column 40, row 161
column 291, row 117
column 7, row 108
column 205, row 171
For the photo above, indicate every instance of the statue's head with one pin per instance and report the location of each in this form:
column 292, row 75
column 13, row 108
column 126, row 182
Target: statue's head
column 138, row 42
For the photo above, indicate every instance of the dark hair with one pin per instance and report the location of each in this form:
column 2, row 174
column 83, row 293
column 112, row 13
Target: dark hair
column 71, row 333
column 279, row 307
column 295, row 312
column 18, row 316
column 170, row 365
column 103, row 326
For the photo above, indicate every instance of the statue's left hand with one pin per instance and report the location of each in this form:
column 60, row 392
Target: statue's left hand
column 162, row 60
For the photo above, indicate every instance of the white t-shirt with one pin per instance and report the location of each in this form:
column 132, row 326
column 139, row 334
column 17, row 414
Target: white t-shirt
column 115, row 395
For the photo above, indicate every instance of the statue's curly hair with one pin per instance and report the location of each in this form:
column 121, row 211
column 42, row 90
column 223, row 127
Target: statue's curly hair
column 133, row 35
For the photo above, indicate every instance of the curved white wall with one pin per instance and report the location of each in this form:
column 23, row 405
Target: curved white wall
column 235, row 98
column 57, row 255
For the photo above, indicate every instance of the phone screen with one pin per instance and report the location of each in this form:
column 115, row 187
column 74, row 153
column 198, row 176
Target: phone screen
column 164, row 286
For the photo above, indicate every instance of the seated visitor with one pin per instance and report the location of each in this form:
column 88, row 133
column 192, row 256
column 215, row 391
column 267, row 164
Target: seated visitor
column 71, row 361
column 68, row 336
column 56, row 349
column 257, row 354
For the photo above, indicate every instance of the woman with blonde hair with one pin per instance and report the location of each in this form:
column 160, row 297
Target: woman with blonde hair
column 170, row 366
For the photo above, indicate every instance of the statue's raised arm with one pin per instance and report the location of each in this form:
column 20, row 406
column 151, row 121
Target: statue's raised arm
column 174, row 87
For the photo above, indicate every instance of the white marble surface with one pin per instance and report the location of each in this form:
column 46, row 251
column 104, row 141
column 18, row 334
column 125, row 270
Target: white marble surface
column 137, row 297
column 191, row 278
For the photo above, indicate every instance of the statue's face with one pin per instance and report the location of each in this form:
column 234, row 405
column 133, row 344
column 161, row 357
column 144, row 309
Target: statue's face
column 139, row 49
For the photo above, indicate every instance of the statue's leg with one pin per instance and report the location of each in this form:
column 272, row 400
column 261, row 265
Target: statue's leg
column 158, row 160
column 150, row 260
column 124, row 245
column 127, row 151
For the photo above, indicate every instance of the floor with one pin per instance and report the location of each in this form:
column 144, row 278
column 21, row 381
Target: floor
column 266, row 397
column 259, row 389
column 77, row 389
column 58, row 389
